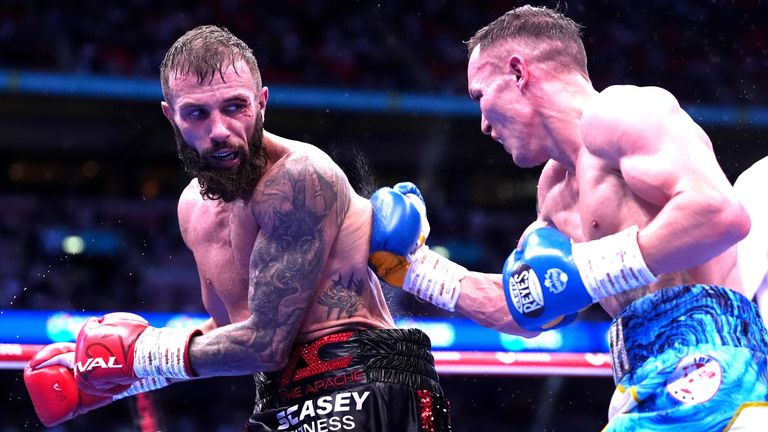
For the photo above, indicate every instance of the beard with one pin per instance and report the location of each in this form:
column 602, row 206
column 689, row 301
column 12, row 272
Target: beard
column 226, row 184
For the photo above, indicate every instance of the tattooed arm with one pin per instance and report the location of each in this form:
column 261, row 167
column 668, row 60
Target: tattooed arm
column 300, row 209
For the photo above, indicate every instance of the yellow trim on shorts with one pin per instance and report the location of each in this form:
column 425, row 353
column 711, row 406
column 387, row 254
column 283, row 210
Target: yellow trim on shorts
column 632, row 391
column 622, row 390
column 738, row 411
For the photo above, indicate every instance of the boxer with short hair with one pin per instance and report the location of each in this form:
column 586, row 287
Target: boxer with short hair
column 634, row 212
column 753, row 250
column 641, row 218
column 281, row 242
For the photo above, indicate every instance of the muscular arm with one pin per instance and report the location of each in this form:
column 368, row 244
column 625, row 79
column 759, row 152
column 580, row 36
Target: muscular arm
column 667, row 160
column 482, row 300
column 301, row 208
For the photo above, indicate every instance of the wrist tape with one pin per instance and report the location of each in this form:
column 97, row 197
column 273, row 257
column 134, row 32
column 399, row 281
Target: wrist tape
column 612, row 264
column 434, row 278
column 162, row 352
column 142, row 386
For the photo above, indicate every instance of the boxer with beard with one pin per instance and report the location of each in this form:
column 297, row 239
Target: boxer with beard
column 281, row 242
column 225, row 184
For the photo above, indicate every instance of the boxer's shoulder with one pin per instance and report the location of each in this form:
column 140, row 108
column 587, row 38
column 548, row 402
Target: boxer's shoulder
column 624, row 119
column 299, row 157
column 283, row 151
column 626, row 105
column 304, row 178
column 629, row 98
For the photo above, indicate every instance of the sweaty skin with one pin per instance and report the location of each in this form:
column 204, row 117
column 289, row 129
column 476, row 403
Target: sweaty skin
column 621, row 157
column 287, row 264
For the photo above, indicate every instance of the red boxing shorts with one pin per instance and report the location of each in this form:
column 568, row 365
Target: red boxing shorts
column 368, row 380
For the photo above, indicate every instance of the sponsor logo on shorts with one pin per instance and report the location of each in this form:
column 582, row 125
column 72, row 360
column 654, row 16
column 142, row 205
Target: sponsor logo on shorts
column 525, row 291
column 555, row 279
column 324, row 414
column 696, row 379
column 323, row 385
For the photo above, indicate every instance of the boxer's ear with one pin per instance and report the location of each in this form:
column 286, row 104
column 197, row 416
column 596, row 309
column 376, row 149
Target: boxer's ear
column 518, row 68
column 263, row 97
column 167, row 111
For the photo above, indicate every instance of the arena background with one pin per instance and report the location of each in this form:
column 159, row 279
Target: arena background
column 87, row 152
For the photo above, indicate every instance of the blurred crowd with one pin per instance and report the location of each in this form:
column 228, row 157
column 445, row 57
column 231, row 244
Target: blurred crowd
column 704, row 52
column 94, row 255
column 131, row 255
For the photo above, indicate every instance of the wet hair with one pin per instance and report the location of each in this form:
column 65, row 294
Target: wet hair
column 206, row 51
column 550, row 35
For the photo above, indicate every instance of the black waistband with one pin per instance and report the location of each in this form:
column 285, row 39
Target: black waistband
column 347, row 359
column 683, row 316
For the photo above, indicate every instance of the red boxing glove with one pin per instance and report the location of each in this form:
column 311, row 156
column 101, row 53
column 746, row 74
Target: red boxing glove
column 104, row 353
column 120, row 348
column 51, row 385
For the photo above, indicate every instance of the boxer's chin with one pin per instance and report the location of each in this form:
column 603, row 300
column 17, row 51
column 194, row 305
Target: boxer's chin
column 226, row 184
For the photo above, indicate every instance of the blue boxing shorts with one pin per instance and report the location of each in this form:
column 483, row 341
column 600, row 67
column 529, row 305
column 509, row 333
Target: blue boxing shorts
column 689, row 358
column 380, row 380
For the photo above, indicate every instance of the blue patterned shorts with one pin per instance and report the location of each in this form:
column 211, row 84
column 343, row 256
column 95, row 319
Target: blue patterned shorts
column 689, row 358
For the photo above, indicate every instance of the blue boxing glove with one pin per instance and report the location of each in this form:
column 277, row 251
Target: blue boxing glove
column 549, row 279
column 398, row 228
column 398, row 253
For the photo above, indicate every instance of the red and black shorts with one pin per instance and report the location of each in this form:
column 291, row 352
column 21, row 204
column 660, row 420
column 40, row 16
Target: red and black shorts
column 369, row 380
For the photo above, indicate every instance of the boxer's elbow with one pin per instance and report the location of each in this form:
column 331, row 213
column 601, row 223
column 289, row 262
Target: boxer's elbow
column 264, row 349
column 709, row 221
column 515, row 330
column 272, row 365
column 274, row 358
column 509, row 326
column 728, row 220
column 268, row 360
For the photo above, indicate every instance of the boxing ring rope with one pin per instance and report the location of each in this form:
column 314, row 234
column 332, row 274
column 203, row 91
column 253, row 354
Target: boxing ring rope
column 523, row 363
column 459, row 346
column 16, row 356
